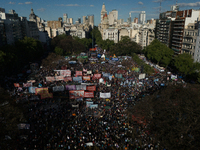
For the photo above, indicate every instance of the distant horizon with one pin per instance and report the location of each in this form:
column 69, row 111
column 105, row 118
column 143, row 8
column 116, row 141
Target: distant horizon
column 52, row 10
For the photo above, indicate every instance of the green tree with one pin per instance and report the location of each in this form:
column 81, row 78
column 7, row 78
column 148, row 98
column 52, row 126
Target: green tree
column 59, row 51
column 159, row 53
column 184, row 64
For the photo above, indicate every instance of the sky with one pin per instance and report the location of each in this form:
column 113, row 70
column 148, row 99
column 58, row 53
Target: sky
column 53, row 9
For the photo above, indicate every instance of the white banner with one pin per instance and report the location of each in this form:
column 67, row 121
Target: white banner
column 75, row 106
column 142, row 76
column 58, row 88
column 105, row 95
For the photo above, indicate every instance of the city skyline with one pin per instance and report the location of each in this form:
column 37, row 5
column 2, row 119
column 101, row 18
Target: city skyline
column 52, row 10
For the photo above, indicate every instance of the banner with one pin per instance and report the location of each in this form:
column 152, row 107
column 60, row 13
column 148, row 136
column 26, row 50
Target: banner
column 77, row 78
column 72, row 62
column 84, row 70
column 78, row 73
column 65, row 73
column 88, row 104
column 89, row 94
column 28, row 84
column 141, row 76
column 87, row 78
column 32, row 89
column 76, row 94
column 59, row 78
column 70, row 87
column 41, row 90
column 173, row 77
column 117, row 75
column 16, row 84
column 58, row 88
column 106, row 75
column 96, row 76
column 51, row 79
column 89, row 72
column 121, row 71
column 115, row 59
column 93, row 106
column 105, row 95
column 91, row 88
column 46, row 95
column 80, row 87
column 75, row 106
column 66, row 79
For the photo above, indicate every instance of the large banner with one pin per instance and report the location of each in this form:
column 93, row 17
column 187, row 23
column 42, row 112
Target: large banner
column 70, row 87
column 58, row 88
column 89, row 94
column 87, row 78
column 32, row 89
column 46, row 95
column 91, row 88
column 96, row 76
column 51, row 79
column 65, row 73
column 59, row 78
column 66, row 79
column 28, row 84
column 76, row 94
column 118, row 75
column 41, row 90
column 141, row 76
column 78, row 73
column 77, row 78
column 105, row 95
column 81, row 87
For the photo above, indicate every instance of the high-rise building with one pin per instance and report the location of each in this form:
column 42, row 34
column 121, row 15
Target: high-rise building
column 79, row 20
column 70, row 20
column 103, row 11
column 142, row 17
column 135, row 20
column 65, row 18
column 84, row 19
column 113, row 16
column 91, row 20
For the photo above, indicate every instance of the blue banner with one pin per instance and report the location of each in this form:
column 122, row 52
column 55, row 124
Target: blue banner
column 115, row 59
column 32, row 89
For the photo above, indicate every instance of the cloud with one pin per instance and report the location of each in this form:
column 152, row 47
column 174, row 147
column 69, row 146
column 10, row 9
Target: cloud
column 11, row 3
column 91, row 5
column 41, row 9
column 28, row 3
column 73, row 5
column 197, row 4
column 20, row 3
column 140, row 3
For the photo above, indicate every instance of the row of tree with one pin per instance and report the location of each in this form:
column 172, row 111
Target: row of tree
column 162, row 55
column 16, row 56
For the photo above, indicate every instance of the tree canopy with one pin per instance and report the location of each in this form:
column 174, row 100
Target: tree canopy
column 159, row 53
column 125, row 47
column 173, row 116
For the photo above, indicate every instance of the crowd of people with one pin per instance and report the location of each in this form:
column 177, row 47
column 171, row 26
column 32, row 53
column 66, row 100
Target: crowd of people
column 56, row 124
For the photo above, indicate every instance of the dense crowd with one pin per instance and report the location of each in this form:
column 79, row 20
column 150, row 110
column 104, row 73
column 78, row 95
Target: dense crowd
column 56, row 124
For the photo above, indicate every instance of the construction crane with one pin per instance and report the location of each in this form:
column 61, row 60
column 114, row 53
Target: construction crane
column 134, row 12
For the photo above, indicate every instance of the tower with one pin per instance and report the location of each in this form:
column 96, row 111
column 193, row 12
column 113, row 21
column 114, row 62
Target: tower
column 103, row 12
column 142, row 17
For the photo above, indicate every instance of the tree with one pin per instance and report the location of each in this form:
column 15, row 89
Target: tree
column 184, row 64
column 159, row 53
column 173, row 116
column 59, row 51
column 125, row 47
